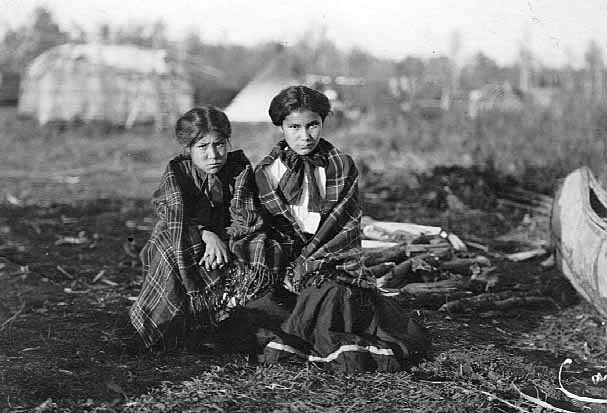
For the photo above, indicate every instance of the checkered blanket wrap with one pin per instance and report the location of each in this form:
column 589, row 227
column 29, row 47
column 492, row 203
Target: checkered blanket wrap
column 174, row 283
column 334, row 251
column 254, row 243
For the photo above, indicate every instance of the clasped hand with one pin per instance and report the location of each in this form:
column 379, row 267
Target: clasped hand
column 215, row 254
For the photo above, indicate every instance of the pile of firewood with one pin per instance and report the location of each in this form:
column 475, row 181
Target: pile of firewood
column 425, row 265
column 419, row 261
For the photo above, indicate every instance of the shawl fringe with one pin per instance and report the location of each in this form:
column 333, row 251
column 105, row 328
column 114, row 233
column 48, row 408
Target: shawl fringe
column 242, row 283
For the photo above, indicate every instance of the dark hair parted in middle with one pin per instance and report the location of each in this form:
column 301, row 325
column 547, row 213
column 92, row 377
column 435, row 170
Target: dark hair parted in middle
column 296, row 98
column 199, row 122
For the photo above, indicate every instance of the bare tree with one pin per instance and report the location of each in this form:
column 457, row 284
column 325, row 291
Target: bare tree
column 594, row 69
column 20, row 46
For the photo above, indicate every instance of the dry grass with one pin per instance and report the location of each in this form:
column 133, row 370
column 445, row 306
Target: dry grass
column 536, row 147
column 70, row 352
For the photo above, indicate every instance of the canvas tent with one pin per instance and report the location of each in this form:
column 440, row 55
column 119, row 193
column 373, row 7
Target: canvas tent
column 120, row 84
column 252, row 102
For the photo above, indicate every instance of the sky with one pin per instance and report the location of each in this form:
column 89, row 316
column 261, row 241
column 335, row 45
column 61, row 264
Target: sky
column 556, row 31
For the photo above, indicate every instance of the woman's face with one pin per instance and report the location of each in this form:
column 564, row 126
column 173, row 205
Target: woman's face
column 302, row 130
column 210, row 153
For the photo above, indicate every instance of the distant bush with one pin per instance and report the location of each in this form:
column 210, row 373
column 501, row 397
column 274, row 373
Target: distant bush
column 536, row 146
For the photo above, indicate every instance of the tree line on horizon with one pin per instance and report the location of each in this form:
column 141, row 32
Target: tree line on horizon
column 314, row 49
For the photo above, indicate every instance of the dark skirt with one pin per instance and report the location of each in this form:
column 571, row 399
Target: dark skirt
column 347, row 329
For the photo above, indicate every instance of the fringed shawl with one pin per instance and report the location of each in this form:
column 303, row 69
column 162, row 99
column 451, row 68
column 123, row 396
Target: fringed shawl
column 174, row 282
column 336, row 244
column 257, row 253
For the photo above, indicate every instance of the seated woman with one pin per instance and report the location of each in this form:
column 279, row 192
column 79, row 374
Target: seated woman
column 308, row 191
column 189, row 272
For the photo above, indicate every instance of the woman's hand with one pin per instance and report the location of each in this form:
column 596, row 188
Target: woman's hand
column 216, row 252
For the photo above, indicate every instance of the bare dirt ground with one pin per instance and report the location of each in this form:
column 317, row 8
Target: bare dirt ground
column 66, row 343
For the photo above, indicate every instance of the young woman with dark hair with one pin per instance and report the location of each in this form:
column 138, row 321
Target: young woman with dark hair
column 308, row 191
column 189, row 272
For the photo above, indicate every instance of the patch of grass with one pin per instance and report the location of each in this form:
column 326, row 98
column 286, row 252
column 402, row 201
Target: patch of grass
column 535, row 146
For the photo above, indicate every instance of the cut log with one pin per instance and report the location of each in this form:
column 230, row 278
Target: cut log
column 526, row 255
column 473, row 302
column 525, row 195
column 398, row 275
column 512, row 302
column 542, row 210
column 526, row 201
column 381, row 269
column 438, row 287
column 463, row 265
column 482, row 245
column 395, row 254
column 476, row 246
column 497, row 301
column 371, row 244
column 401, row 252
column 442, row 249
column 385, row 227
column 408, row 271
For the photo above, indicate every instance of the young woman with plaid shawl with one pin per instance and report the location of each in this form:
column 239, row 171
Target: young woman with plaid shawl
column 189, row 272
column 308, row 192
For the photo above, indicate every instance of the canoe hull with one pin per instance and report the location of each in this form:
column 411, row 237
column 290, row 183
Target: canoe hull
column 580, row 236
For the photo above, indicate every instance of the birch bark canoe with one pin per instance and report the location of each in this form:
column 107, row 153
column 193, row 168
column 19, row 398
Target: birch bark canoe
column 579, row 232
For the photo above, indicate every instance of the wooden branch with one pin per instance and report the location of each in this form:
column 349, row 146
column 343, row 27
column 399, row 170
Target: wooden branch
column 398, row 275
column 476, row 245
column 540, row 210
column 525, row 200
column 525, row 194
column 503, row 300
column 395, row 254
column 64, row 272
column 477, row 300
column 539, row 402
column 462, row 265
column 438, row 287
column 442, row 248
column 381, row 269
column 482, row 245
column 526, row 255
column 13, row 317
column 494, row 397
column 404, row 272
column 401, row 252
column 518, row 301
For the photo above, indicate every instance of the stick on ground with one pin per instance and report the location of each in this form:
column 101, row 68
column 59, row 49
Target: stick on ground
column 539, row 402
column 12, row 318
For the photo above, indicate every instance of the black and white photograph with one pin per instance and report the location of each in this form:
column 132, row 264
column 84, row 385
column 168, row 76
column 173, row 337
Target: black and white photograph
column 302, row 206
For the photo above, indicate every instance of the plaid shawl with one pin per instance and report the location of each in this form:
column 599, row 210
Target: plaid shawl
column 334, row 250
column 253, row 243
column 174, row 283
